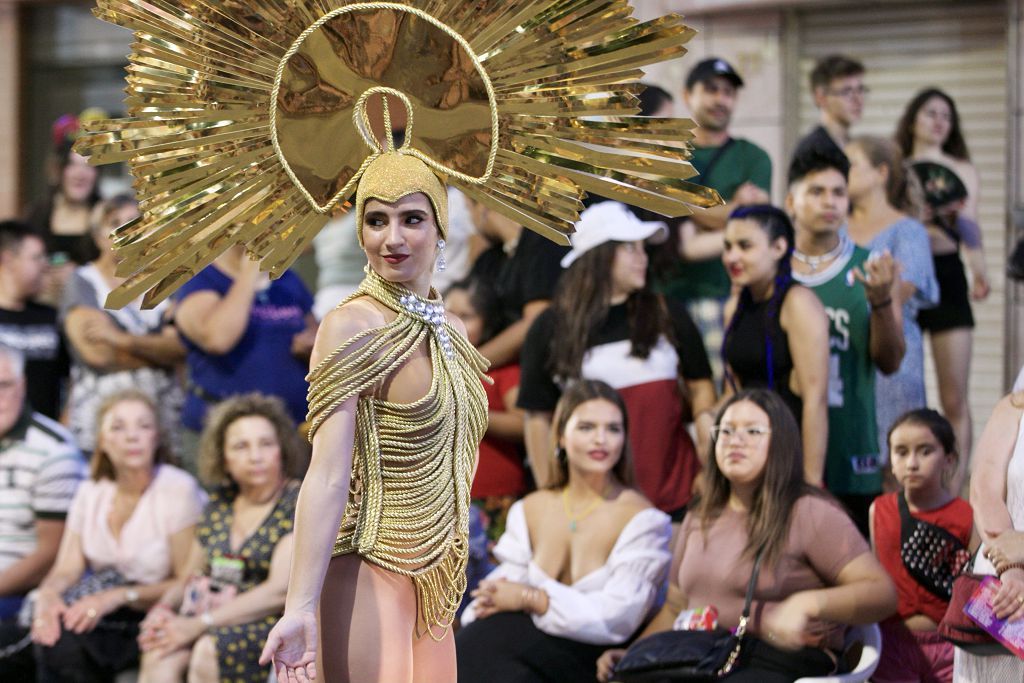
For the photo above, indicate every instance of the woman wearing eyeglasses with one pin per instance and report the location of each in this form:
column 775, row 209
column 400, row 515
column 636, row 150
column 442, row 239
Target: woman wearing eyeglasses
column 817, row 573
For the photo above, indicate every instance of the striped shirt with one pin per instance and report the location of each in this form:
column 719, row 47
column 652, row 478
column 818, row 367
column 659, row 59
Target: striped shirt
column 40, row 469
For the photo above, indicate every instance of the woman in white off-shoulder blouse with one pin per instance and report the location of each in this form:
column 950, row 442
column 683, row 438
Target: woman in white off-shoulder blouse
column 583, row 564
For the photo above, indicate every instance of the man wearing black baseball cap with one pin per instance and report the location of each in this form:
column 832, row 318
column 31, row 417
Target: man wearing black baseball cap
column 709, row 68
column 740, row 171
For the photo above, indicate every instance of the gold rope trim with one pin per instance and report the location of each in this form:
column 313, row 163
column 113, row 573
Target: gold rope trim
column 412, row 464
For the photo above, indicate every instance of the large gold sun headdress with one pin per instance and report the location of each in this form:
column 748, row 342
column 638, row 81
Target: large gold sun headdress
column 252, row 121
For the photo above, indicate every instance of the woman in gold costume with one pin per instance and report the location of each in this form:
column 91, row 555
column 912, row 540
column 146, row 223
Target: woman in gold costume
column 397, row 411
column 246, row 125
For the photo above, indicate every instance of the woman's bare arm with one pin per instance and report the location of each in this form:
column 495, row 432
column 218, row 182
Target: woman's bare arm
column 216, row 323
column 325, row 487
column 81, row 326
column 264, row 598
column 508, row 424
column 806, row 324
column 69, row 566
column 163, row 348
column 537, row 435
column 988, row 476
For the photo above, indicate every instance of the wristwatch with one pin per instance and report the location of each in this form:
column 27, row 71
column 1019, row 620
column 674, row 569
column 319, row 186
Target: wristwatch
column 131, row 595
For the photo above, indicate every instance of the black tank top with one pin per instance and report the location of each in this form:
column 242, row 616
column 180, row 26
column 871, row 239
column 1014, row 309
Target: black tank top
column 746, row 351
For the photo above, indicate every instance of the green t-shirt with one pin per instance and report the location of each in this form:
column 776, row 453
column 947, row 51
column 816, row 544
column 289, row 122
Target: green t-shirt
column 852, row 463
column 743, row 161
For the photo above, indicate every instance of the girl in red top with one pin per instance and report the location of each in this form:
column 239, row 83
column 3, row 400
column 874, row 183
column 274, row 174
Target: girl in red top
column 923, row 455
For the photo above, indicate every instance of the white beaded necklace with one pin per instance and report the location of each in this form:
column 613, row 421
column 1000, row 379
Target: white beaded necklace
column 813, row 262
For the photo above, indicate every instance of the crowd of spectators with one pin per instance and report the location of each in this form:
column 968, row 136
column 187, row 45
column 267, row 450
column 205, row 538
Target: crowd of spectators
column 672, row 401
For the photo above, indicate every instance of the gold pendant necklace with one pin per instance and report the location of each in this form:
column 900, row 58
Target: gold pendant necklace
column 573, row 521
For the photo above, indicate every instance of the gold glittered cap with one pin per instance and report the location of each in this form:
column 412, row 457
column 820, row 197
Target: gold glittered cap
column 394, row 175
column 252, row 121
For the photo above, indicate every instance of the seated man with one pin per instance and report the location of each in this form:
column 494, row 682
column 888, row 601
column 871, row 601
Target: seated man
column 40, row 469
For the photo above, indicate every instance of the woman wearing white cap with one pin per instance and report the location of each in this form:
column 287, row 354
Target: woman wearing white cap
column 605, row 323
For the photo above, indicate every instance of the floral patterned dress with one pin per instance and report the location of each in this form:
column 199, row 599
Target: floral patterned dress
column 239, row 646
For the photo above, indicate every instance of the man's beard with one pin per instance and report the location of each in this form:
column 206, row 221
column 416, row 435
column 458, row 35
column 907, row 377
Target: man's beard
column 712, row 124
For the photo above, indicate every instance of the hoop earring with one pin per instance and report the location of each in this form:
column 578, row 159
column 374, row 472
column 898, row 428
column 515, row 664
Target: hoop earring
column 442, row 263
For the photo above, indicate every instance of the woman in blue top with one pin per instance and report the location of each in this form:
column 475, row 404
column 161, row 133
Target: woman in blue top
column 243, row 332
column 886, row 202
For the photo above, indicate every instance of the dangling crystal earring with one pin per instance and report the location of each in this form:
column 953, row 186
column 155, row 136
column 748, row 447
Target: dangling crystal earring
column 441, row 262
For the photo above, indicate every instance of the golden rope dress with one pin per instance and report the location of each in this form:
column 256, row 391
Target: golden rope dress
column 412, row 464
column 253, row 122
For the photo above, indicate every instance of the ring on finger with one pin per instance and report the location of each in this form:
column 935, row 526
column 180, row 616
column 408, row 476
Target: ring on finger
column 91, row 613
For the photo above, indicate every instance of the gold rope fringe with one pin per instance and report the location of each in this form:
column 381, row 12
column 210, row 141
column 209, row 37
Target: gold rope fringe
column 408, row 505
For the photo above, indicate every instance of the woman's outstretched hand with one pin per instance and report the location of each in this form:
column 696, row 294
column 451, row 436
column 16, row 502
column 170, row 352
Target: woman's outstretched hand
column 292, row 645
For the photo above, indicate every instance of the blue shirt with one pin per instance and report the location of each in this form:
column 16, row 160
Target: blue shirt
column 261, row 360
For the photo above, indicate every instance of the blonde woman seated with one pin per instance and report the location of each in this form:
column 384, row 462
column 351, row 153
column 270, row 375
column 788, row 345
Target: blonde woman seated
column 127, row 537
column 215, row 625
column 582, row 563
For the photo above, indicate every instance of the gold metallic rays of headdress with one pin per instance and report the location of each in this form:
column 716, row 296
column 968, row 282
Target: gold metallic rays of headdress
column 248, row 120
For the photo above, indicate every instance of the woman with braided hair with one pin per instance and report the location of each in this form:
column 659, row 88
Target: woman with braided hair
column 787, row 318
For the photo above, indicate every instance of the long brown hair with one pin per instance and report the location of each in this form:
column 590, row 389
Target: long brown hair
column 781, row 486
column 902, row 189
column 955, row 145
column 573, row 397
column 581, row 307
column 100, row 466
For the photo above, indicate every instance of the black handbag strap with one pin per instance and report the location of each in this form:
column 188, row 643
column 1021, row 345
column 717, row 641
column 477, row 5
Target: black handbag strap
column 906, row 519
column 741, row 630
column 715, row 158
column 745, row 615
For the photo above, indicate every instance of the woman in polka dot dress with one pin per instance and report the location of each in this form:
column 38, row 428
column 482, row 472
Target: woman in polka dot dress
column 214, row 626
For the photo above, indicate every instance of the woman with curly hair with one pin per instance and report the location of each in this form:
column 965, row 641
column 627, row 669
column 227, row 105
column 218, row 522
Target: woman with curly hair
column 215, row 624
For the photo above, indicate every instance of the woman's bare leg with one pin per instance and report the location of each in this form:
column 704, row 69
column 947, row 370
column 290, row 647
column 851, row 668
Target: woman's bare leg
column 154, row 668
column 952, row 352
column 367, row 620
column 432, row 661
column 203, row 667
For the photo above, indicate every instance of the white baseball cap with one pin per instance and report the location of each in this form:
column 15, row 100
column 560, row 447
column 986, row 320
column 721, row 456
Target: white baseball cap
column 611, row 222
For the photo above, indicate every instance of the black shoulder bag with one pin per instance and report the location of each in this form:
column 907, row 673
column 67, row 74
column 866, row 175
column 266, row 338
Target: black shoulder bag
column 687, row 656
column 932, row 555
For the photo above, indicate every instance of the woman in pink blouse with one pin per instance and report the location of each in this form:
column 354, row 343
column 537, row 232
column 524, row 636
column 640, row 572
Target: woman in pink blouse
column 817, row 572
column 127, row 537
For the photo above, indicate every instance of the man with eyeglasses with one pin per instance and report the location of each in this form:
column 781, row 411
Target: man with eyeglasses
column 837, row 85
column 741, row 172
